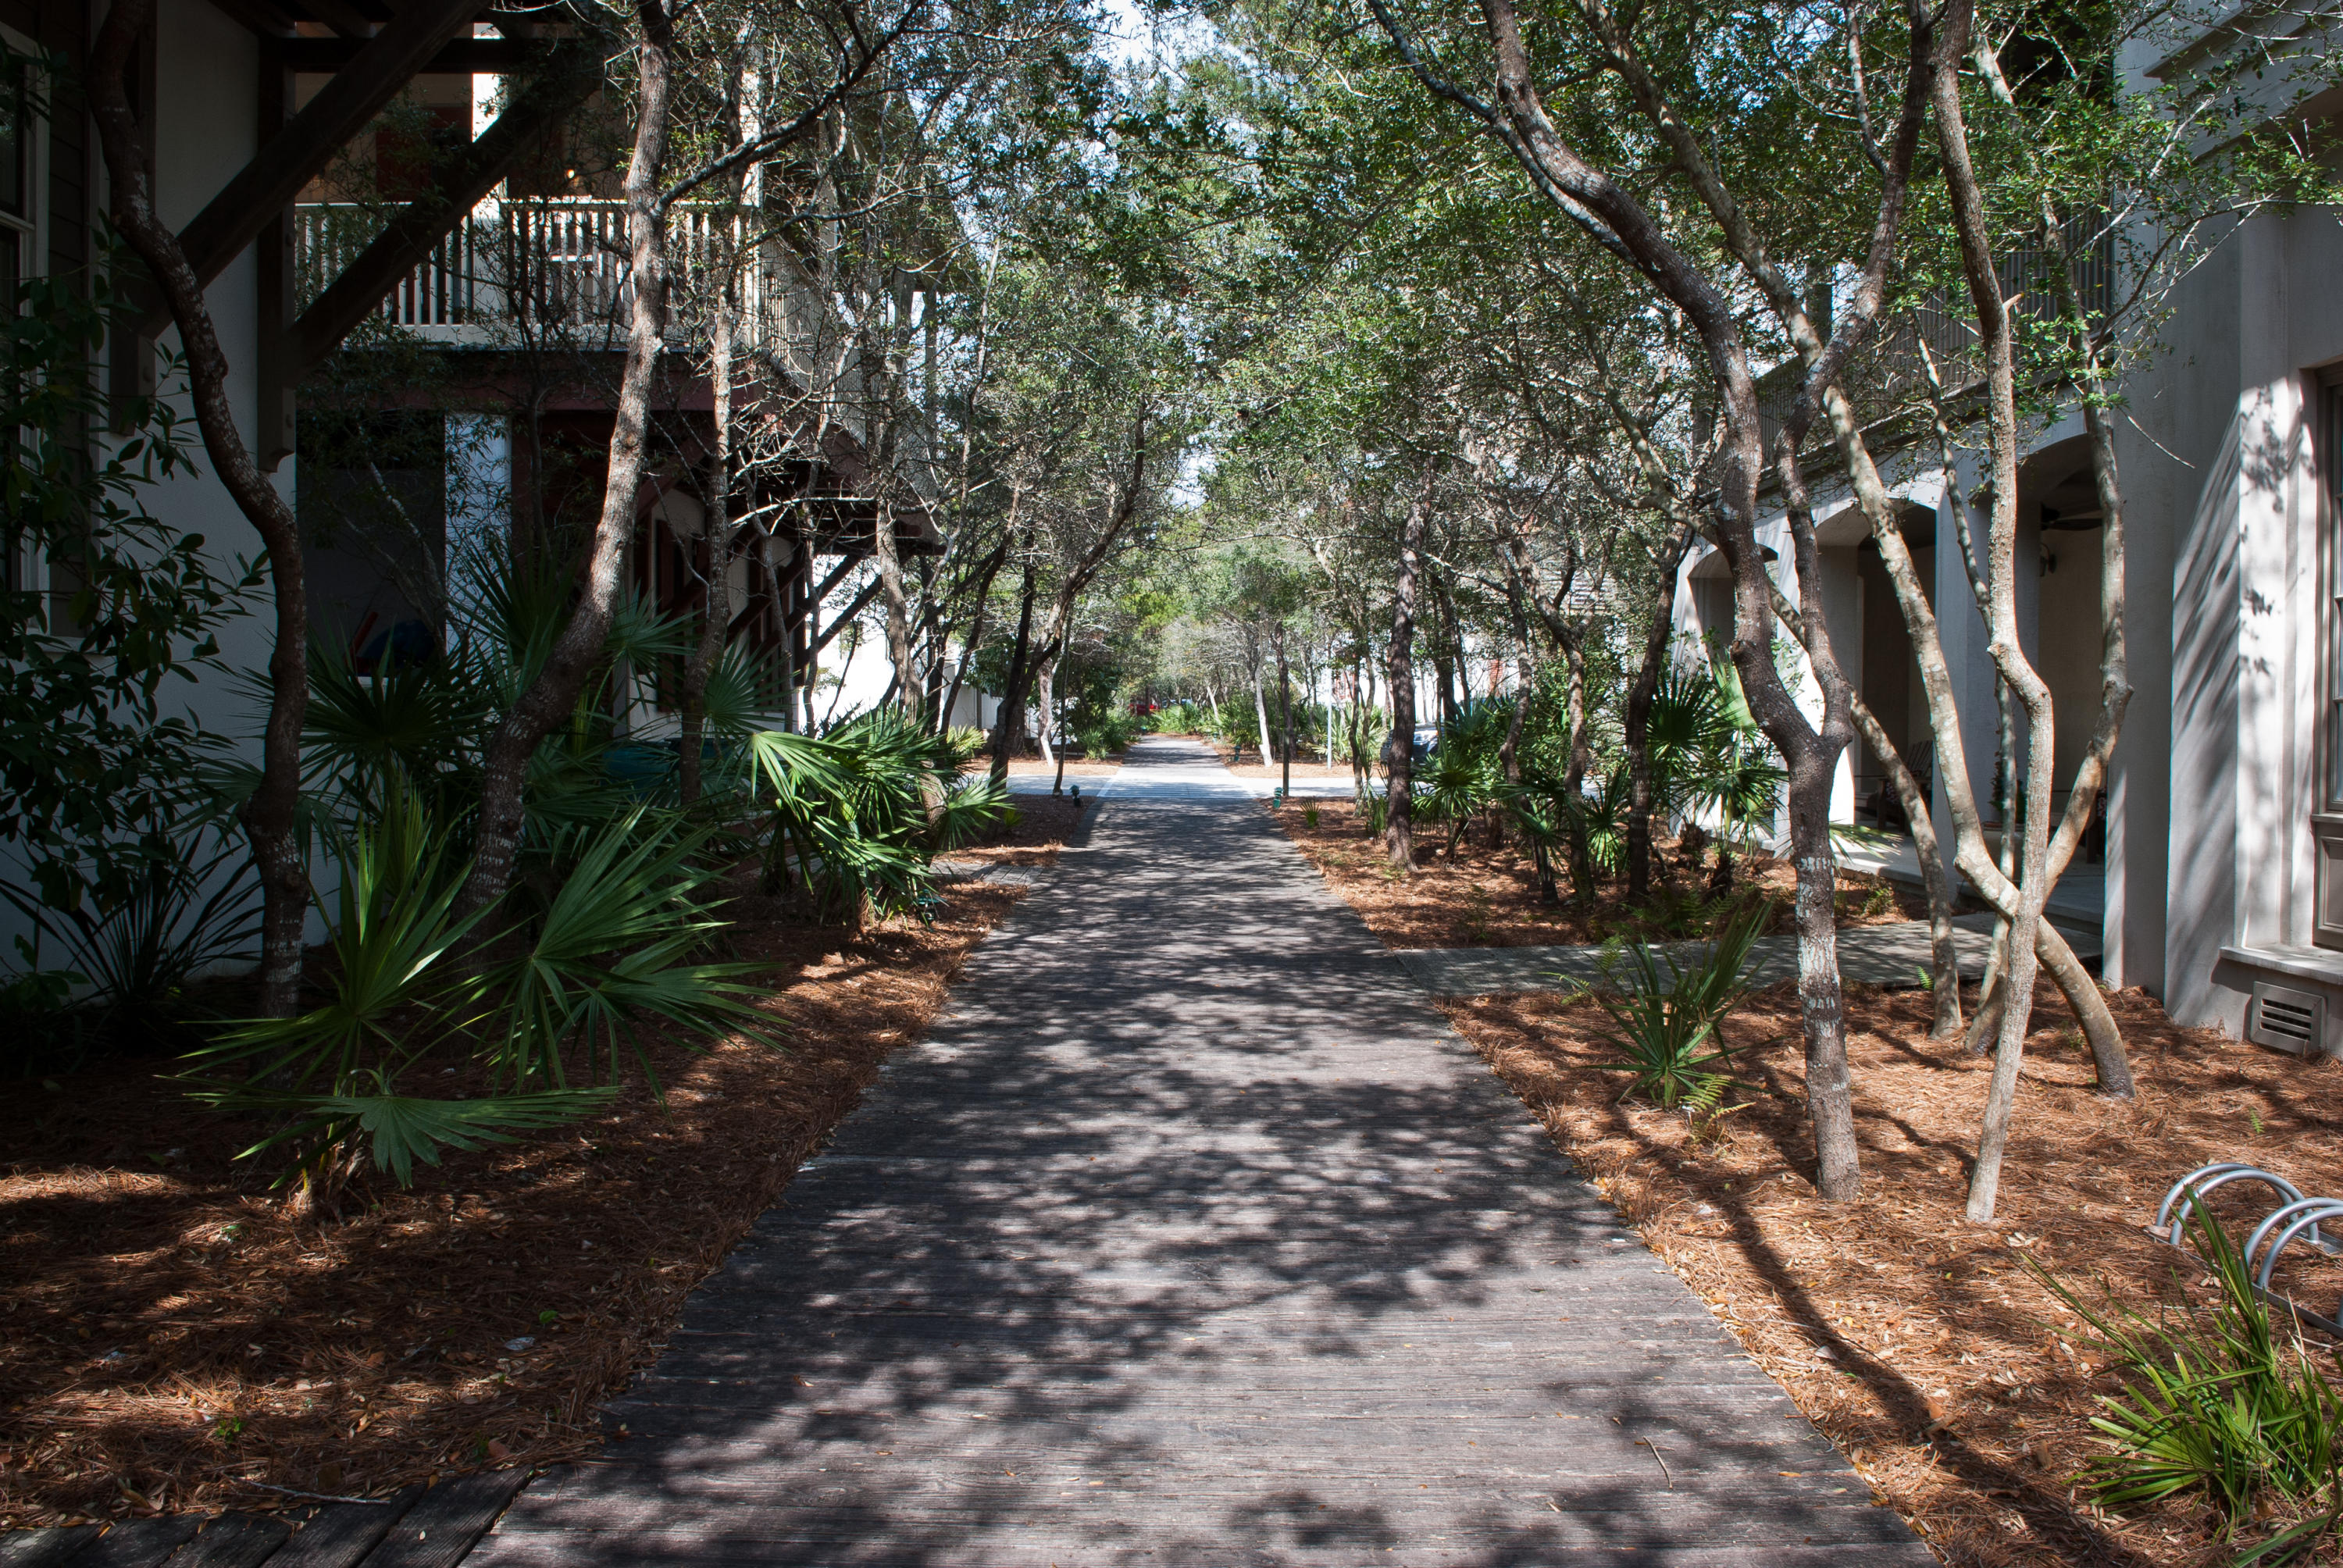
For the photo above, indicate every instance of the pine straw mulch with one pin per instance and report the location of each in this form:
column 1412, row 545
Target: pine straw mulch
column 173, row 1339
column 1919, row 1343
column 1480, row 897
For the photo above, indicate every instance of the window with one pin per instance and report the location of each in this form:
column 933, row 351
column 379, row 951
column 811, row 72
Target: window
column 20, row 253
column 2327, row 823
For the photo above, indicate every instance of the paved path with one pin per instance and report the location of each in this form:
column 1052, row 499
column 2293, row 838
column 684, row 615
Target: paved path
column 1896, row 954
column 1194, row 1237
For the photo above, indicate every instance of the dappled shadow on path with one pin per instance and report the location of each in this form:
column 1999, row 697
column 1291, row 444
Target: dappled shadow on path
column 1193, row 1236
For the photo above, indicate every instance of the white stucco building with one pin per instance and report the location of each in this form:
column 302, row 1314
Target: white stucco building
column 2216, row 877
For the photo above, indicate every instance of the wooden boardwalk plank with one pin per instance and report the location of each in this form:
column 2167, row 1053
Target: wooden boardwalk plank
column 443, row 1524
column 139, row 1543
column 341, row 1534
column 1192, row 1235
column 233, row 1541
column 43, row 1548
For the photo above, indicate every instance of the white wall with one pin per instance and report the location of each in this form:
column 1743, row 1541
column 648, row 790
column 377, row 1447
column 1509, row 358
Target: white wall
column 206, row 131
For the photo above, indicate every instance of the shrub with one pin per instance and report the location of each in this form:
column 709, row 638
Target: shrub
column 548, row 1009
column 2218, row 1405
column 1667, row 1028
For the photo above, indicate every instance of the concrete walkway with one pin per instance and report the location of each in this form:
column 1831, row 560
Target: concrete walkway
column 1194, row 1237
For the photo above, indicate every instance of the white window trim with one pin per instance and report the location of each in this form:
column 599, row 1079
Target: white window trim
column 32, row 568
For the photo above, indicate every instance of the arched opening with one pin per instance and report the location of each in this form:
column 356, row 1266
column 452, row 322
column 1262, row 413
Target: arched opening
column 2059, row 533
column 1887, row 673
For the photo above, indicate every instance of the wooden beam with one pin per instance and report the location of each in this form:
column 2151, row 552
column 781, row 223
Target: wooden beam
column 571, row 73
column 861, row 602
column 458, row 58
column 257, row 16
column 273, row 431
column 342, row 16
column 836, row 577
column 314, row 137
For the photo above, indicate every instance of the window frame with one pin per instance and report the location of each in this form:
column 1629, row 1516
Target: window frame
column 2327, row 816
column 26, row 569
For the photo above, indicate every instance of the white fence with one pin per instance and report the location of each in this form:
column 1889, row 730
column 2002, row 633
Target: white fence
column 557, row 265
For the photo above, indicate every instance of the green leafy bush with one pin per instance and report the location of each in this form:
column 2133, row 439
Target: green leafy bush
column 1667, row 1026
column 547, row 1008
column 2217, row 1405
column 856, row 816
column 130, row 962
column 101, row 779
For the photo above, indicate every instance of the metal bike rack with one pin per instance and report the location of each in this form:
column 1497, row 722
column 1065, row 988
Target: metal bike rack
column 2295, row 1217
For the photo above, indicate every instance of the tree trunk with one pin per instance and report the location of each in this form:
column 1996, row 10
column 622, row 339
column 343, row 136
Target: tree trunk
column 554, row 694
column 1046, row 686
column 1285, row 712
column 1582, row 755
column 1944, row 955
column 1657, row 638
column 1829, row 1087
column 1261, row 713
column 716, row 614
column 1010, row 720
column 1977, row 261
column 974, row 639
column 1399, row 758
column 271, row 815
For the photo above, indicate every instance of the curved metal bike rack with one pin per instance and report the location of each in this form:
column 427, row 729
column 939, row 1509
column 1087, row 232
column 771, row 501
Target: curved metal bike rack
column 2206, row 1178
column 2296, row 1216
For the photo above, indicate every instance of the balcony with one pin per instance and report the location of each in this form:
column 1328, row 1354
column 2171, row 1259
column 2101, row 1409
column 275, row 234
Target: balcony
column 540, row 273
column 1889, row 378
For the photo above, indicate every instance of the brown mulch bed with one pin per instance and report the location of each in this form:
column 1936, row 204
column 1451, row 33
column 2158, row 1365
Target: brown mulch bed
column 1481, row 897
column 172, row 1337
column 1919, row 1343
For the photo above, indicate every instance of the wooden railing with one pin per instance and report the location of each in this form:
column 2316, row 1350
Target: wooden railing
column 558, row 265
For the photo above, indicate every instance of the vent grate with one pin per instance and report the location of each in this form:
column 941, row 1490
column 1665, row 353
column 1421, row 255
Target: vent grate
column 2286, row 1019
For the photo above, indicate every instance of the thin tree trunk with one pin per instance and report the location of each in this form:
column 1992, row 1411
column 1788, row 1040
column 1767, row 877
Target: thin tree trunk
column 1944, row 955
column 271, row 815
column 975, row 637
column 1970, row 224
column 1399, row 759
column 1656, row 640
column 1261, row 713
column 1010, row 720
column 1285, row 713
column 553, row 695
column 716, row 614
column 1046, row 688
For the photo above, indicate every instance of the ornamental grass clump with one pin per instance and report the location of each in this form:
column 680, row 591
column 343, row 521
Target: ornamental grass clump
column 1668, row 1027
column 2219, row 1405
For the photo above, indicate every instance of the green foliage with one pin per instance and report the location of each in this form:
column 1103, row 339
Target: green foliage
column 1587, row 828
column 1465, row 772
column 1667, row 1026
column 857, row 815
column 2217, row 1405
column 129, row 968
column 1706, row 752
column 99, row 780
column 1106, row 734
column 397, row 1131
column 550, row 998
column 1181, row 717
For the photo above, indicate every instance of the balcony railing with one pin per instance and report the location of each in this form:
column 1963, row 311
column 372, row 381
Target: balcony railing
column 1890, row 375
column 545, row 266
